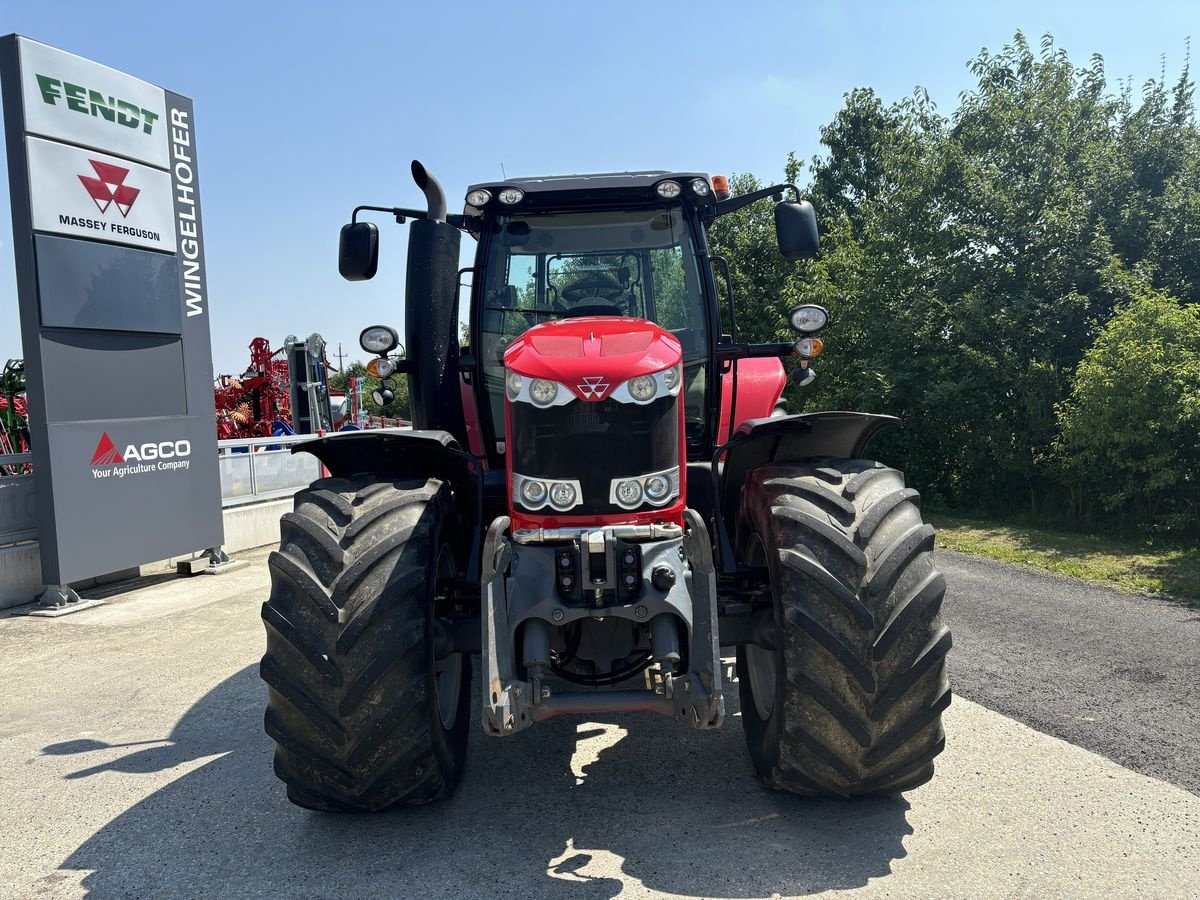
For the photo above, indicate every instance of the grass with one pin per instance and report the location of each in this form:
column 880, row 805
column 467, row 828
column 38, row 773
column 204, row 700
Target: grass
column 1135, row 565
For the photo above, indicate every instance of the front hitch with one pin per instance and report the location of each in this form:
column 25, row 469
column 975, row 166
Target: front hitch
column 515, row 594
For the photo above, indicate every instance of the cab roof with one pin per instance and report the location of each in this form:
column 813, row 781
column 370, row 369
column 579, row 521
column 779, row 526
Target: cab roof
column 549, row 191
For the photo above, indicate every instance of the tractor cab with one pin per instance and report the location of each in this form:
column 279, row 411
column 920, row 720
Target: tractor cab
column 558, row 254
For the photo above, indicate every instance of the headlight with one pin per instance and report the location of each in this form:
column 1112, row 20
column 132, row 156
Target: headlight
column 479, row 198
column 536, row 493
column 541, row 391
column 562, row 495
column 533, row 492
column 807, row 319
column 642, row 388
column 668, row 190
column 628, row 492
column 379, row 339
column 700, row 187
column 658, row 486
column 510, row 196
column 648, row 388
column 655, row 488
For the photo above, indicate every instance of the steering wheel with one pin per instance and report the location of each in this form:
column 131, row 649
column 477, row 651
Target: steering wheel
column 593, row 289
column 593, row 309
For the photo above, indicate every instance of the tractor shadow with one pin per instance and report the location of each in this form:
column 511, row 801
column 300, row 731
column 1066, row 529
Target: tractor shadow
column 641, row 805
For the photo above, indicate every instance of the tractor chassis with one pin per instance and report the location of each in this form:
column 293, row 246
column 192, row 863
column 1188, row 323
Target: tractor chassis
column 519, row 587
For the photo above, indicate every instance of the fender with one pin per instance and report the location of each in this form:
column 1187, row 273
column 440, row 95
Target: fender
column 783, row 439
column 406, row 454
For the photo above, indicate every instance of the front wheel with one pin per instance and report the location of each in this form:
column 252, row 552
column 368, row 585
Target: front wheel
column 364, row 713
column 848, row 701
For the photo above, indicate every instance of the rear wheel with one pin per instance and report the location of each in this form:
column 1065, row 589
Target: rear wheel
column 849, row 702
column 363, row 713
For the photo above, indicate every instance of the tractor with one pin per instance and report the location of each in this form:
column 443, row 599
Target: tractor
column 600, row 500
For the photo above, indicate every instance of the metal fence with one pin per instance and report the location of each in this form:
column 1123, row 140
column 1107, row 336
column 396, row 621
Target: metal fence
column 18, row 506
column 259, row 469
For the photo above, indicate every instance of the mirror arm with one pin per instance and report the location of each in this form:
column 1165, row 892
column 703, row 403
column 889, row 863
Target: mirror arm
column 402, row 215
column 733, row 204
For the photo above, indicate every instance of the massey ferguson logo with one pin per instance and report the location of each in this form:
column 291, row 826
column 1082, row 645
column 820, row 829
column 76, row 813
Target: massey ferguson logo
column 109, row 187
column 592, row 387
column 139, row 459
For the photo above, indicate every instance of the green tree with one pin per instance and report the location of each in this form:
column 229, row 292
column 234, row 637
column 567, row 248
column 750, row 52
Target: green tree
column 1131, row 427
column 968, row 259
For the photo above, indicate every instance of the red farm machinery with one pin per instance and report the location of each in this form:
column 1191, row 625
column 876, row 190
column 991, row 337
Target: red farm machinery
column 14, row 415
column 285, row 391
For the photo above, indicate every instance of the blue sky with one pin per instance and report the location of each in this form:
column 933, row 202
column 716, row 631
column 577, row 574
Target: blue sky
column 304, row 109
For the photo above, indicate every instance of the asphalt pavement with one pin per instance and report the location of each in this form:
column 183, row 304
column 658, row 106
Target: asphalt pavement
column 133, row 764
column 1111, row 671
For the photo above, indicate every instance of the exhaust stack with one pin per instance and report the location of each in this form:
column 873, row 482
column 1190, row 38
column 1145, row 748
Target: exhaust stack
column 431, row 315
column 435, row 197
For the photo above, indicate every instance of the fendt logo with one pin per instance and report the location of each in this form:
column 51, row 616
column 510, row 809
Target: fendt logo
column 166, row 456
column 84, row 100
column 109, row 187
column 592, row 387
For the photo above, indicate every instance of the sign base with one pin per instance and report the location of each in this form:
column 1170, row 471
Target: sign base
column 58, row 600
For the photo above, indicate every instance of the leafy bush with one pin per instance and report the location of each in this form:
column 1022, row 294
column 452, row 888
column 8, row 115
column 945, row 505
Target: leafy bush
column 1131, row 428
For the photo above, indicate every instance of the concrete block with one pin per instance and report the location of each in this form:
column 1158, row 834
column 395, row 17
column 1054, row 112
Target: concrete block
column 20, row 574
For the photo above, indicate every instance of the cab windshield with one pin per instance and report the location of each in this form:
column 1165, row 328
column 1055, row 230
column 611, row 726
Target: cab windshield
column 628, row 263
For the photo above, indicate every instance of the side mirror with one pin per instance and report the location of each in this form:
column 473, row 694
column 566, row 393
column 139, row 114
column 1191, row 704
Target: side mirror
column 358, row 251
column 796, row 230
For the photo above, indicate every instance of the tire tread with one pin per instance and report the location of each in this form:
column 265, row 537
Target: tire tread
column 348, row 648
column 863, row 648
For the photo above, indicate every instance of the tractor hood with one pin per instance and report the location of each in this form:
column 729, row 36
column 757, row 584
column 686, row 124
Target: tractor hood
column 592, row 355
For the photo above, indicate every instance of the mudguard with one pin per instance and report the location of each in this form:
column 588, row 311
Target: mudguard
column 406, row 453
column 783, row 439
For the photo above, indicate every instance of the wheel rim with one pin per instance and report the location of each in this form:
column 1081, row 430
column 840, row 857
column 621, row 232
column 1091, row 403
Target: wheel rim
column 447, row 673
column 761, row 664
column 762, row 670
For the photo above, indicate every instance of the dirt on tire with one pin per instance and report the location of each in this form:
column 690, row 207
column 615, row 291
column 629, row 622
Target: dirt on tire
column 858, row 678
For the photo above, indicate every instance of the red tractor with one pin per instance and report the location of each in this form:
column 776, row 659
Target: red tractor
column 572, row 509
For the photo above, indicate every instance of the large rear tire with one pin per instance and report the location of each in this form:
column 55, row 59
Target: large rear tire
column 849, row 701
column 363, row 714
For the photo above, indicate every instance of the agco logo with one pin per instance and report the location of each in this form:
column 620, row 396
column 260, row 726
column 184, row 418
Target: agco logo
column 139, row 459
column 106, row 452
column 109, row 187
column 592, row 387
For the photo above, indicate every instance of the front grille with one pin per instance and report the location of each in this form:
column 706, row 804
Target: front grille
column 595, row 443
